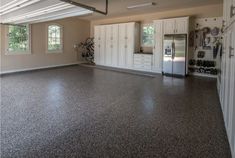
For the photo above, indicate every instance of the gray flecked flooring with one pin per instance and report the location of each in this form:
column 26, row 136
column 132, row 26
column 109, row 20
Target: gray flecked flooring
column 86, row 112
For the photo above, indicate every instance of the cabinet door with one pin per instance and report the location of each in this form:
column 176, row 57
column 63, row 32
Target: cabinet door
column 108, row 45
column 158, row 46
column 227, row 80
column 102, row 45
column 231, row 126
column 122, row 45
column 130, row 31
column 114, row 45
column 233, row 11
column 169, row 26
column 181, row 26
column 97, row 45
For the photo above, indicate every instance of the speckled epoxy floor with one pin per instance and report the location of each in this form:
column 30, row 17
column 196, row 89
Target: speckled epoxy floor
column 86, row 112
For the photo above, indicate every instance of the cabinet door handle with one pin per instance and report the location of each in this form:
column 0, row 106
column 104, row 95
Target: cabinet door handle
column 232, row 11
column 231, row 52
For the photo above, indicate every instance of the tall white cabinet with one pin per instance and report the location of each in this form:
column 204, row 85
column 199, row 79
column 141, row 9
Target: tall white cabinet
column 226, row 81
column 158, row 46
column 100, row 49
column 117, row 43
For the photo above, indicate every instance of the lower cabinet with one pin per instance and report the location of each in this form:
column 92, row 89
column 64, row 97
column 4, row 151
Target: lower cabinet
column 143, row 62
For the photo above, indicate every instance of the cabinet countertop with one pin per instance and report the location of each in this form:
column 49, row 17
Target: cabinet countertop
column 145, row 53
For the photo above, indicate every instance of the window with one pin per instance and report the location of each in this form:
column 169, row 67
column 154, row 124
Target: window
column 54, row 39
column 18, row 39
column 147, row 35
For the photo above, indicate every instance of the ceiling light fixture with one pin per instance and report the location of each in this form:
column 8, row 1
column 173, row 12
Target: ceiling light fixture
column 142, row 5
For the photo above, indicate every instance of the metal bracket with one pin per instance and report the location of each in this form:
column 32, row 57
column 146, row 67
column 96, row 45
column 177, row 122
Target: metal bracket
column 88, row 7
column 232, row 11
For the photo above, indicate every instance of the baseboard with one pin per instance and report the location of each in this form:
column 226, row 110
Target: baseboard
column 38, row 68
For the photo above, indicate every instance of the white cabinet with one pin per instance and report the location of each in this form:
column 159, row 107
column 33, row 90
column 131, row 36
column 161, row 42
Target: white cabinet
column 227, row 84
column 111, row 45
column 169, row 26
column 99, row 49
column 229, row 12
column 158, row 46
column 128, row 43
column 181, row 25
column 176, row 26
column 115, row 44
column 143, row 62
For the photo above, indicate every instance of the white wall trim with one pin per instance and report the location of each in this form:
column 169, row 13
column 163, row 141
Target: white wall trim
column 38, row 68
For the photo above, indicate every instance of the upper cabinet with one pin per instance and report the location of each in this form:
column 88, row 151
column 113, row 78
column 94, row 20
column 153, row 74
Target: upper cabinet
column 228, row 12
column 176, row 26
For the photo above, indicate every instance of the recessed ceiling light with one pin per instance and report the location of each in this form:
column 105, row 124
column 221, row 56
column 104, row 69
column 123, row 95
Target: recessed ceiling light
column 142, row 5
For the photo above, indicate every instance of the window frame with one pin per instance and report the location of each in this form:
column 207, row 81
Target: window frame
column 27, row 52
column 61, row 38
column 142, row 35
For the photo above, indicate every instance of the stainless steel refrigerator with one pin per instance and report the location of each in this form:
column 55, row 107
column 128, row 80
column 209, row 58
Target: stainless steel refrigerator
column 174, row 56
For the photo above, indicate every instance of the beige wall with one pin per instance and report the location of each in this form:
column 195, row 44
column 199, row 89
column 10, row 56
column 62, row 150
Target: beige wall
column 74, row 31
column 204, row 11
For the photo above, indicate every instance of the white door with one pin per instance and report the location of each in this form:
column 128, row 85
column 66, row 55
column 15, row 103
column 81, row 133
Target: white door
column 122, row 45
column 181, row 26
column 158, row 46
column 169, row 26
column 108, row 45
column 102, row 45
column 97, row 45
column 114, row 45
column 130, row 31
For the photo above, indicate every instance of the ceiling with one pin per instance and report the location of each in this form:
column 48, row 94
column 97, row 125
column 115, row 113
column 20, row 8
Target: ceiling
column 119, row 7
column 33, row 11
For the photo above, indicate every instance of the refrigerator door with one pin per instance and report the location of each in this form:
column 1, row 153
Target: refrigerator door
column 167, row 55
column 179, row 55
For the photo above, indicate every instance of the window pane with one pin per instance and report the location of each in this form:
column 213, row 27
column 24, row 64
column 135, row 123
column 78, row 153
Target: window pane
column 147, row 35
column 54, row 38
column 18, row 38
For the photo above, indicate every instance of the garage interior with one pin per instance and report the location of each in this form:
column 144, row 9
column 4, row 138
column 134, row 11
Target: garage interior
column 117, row 78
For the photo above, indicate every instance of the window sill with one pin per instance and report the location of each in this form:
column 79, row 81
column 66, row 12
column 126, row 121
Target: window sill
column 54, row 52
column 18, row 53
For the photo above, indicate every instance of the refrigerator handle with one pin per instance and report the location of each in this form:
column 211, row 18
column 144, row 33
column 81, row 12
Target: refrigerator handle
column 173, row 50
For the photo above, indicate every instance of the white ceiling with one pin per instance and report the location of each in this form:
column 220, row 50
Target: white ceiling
column 119, row 7
column 32, row 11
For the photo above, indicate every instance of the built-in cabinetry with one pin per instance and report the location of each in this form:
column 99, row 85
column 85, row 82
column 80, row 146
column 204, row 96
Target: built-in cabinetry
column 115, row 44
column 226, row 81
column 176, row 26
column 143, row 62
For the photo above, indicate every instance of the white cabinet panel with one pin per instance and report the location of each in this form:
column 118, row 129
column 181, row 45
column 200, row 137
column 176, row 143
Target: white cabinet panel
column 114, row 45
column 181, row 25
column 169, row 26
column 108, row 46
column 97, row 45
column 130, row 31
column 102, row 45
column 122, row 45
column 158, row 46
